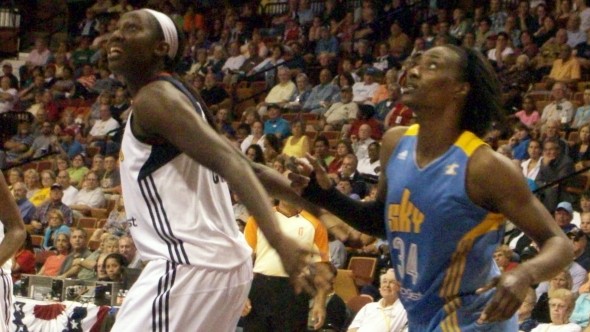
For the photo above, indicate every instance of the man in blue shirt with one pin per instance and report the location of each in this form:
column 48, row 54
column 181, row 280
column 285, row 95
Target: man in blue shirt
column 276, row 124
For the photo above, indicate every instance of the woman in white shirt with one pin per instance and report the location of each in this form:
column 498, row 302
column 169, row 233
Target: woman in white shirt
column 531, row 166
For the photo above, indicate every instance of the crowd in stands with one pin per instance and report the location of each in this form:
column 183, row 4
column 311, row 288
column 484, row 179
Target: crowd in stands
column 320, row 77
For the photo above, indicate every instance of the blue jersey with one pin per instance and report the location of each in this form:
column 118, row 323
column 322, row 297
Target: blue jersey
column 441, row 242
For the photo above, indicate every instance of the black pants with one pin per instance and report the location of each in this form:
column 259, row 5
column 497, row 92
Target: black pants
column 275, row 306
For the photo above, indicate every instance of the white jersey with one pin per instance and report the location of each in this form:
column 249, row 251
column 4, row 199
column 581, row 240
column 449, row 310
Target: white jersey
column 177, row 209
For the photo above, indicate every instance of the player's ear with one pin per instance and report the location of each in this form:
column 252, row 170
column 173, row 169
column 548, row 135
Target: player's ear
column 463, row 89
column 162, row 48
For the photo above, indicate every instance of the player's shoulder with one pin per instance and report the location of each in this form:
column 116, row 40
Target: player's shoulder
column 390, row 140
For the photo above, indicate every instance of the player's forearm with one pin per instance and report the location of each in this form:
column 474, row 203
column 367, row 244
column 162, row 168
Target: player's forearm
column 13, row 224
column 555, row 255
column 243, row 181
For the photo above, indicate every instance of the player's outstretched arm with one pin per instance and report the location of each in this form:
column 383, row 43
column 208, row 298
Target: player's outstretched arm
column 161, row 110
column 506, row 192
column 13, row 224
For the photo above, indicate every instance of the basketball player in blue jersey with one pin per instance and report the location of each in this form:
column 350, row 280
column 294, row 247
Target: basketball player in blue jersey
column 444, row 195
column 12, row 235
column 174, row 168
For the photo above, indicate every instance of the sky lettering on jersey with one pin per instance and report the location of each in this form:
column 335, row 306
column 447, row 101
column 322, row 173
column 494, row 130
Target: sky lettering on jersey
column 405, row 217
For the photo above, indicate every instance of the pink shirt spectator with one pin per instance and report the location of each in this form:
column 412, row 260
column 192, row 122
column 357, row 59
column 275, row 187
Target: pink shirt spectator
column 528, row 120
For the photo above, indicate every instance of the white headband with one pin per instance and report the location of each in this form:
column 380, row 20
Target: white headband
column 169, row 30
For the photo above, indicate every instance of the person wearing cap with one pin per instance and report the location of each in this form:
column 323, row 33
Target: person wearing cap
column 581, row 252
column 276, row 125
column 363, row 91
column 41, row 216
column 563, row 216
column 343, row 112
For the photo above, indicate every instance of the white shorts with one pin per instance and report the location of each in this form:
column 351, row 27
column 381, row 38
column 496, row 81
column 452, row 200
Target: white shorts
column 169, row 297
column 5, row 300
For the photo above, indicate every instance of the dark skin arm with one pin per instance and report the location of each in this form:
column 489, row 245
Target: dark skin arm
column 507, row 193
column 14, row 228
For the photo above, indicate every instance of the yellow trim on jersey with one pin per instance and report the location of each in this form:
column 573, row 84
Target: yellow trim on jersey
column 469, row 142
column 412, row 130
column 452, row 281
column 451, row 322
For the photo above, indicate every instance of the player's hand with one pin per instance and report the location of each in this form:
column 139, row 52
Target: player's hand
column 301, row 179
column 511, row 289
column 296, row 263
column 318, row 315
column 247, row 308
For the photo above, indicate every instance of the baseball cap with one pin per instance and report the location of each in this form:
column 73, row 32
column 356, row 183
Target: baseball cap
column 56, row 186
column 575, row 234
column 567, row 206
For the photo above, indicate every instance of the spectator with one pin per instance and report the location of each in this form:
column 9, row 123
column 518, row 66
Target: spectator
column 497, row 16
column 560, row 109
column 26, row 208
column 583, row 113
column 281, row 93
column 340, row 113
column 42, row 215
column 39, row 56
column 321, row 151
column 41, row 146
column 128, row 250
column 388, row 314
column 276, row 125
column 561, row 305
column 575, row 36
column 360, row 143
column 102, row 132
column 555, row 165
column 531, row 166
column 7, row 71
column 322, row 95
column 503, row 258
column 327, row 43
column 69, row 191
column 214, row 95
column 79, row 252
column 55, row 226
column 298, row 144
column 78, row 169
column 343, row 148
column 363, row 91
column 566, row 69
column 581, row 252
column 24, row 259
column 579, row 152
column 350, row 172
column 371, row 165
column 365, row 116
column 528, row 115
column 8, row 95
column 301, row 96
column 110, row 181
column 90, row 196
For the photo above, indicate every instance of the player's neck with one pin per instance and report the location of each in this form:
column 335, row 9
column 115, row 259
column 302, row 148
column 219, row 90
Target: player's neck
column 434, row 139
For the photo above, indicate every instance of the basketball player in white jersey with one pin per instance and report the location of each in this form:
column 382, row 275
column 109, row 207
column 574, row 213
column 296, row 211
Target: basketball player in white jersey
column 12, row 235
column 174, row 168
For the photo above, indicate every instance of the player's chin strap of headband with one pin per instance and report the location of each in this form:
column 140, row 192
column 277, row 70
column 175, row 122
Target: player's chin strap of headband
column 169, row 30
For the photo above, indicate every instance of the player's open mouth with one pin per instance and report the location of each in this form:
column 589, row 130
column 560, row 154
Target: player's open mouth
column 408, row 88
column 114, row 52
